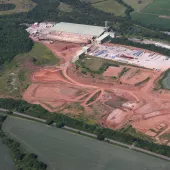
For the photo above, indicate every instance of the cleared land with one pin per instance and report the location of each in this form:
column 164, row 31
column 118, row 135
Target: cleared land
column 156, row 13
column 6, row 161
column 110, row 6
column 61, row 146
column 138, row 6
column 21, row 6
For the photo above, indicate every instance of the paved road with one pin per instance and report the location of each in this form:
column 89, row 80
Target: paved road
column 93, row 135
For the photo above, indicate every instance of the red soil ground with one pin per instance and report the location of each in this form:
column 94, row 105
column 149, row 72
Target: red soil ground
column 57, row 88
column 112, row 71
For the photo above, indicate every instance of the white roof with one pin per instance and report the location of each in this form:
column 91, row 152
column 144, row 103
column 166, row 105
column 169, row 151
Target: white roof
column 103, row 36
column 78, row 29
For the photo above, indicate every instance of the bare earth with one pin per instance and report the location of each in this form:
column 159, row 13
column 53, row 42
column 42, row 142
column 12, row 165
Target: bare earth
column 105, row 101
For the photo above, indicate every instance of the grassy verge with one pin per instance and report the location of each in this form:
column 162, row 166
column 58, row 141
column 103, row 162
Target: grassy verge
column 93, row 98
column 131, row 131
column 124, row 70
column 143, row 81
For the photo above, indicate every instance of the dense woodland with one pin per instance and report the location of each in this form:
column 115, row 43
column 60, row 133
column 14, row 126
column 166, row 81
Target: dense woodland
column 13, row 40
column 61, row 120
column 23, row 160
column 6, row 7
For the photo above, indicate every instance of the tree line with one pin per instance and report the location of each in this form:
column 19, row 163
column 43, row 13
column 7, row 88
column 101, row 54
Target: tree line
column 61, row 120
column 151, row 47
column 23, row 160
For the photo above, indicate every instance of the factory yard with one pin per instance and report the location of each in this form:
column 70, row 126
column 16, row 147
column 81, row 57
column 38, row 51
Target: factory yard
column 56, row 146
column 129, row 55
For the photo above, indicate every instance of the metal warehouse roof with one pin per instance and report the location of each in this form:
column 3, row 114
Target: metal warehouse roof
column 78, row 28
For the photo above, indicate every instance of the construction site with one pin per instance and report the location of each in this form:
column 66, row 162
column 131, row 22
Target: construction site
column 122, row 95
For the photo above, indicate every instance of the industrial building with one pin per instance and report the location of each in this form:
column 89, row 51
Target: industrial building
column 70, row 32
column 94, row 31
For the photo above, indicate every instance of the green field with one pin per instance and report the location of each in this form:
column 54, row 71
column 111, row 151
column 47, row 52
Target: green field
column 65, row 7
column 14, row 75
column 138, row 6
column 6, row 162
column 166, row 81
column 63, row 150
column 153, row 13
column 41, row 55
column 111, row 6
column 21, row 6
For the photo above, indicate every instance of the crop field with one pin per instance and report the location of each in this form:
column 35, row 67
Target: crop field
column 138, row 6
column 6, row 161
column 65, row 150
column 156, row 13
column 111, row 6
column 21, row 6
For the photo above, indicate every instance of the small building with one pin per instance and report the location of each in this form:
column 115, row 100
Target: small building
column 103, row 38
column 112, row 34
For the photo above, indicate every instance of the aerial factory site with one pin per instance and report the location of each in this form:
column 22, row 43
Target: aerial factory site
column 109, row 84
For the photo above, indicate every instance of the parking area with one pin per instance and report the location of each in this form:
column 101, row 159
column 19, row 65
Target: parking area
column 139, row 57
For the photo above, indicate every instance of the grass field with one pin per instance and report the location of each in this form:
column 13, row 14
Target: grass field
column 95, row 64
column 14, row 76
column 42, row 55
column 166, row 81
column 68, row 151
column 153, row 13
column 138, row 6
column 65, row 7
column 6, row 161
column 91, row 1
column 21, row 6
column 111, row 6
